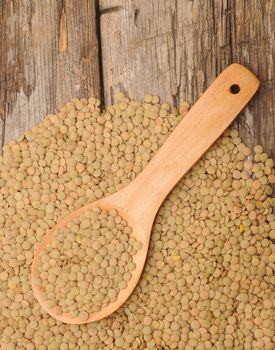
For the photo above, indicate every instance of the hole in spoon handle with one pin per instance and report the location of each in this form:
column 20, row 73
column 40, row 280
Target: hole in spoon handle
column 235, row 89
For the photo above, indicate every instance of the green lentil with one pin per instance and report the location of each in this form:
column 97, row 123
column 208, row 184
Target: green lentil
column 207, row 282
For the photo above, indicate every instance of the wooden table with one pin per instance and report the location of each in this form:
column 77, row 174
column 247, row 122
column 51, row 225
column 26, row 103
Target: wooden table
column 53, row 50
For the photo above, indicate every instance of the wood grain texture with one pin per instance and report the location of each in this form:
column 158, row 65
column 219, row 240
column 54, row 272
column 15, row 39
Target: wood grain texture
column 49, row 54
column 175, row 49
column 253, row 45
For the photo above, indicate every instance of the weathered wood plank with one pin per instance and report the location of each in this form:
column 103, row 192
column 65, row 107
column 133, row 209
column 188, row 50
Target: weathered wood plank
column 49, row 54
column 253, row 45
column 176, row 48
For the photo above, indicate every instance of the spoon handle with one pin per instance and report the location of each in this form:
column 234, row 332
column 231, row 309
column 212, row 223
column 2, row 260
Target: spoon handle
column 199, row 129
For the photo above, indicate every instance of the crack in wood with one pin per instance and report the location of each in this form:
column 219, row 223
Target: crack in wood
column 100, row 58
column 106, row 10
column 136, row 15
column 174, row 25
column 63, row 32
column 228, row 13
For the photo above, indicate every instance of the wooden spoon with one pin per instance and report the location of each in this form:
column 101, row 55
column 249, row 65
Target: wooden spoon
column 140, row 200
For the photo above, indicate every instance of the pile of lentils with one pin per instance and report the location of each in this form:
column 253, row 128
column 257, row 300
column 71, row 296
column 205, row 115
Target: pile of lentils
column 86, row 265
column 208, row 280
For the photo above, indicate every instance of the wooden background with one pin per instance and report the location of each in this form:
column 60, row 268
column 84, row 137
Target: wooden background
column 53, row 50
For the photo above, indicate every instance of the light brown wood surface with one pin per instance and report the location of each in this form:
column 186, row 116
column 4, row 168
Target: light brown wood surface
column 140, row 200
column 175, row 48
column 49, row 54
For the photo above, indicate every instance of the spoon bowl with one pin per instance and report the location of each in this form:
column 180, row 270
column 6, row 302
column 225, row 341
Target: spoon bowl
column 140, row 200
column 139, row 233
